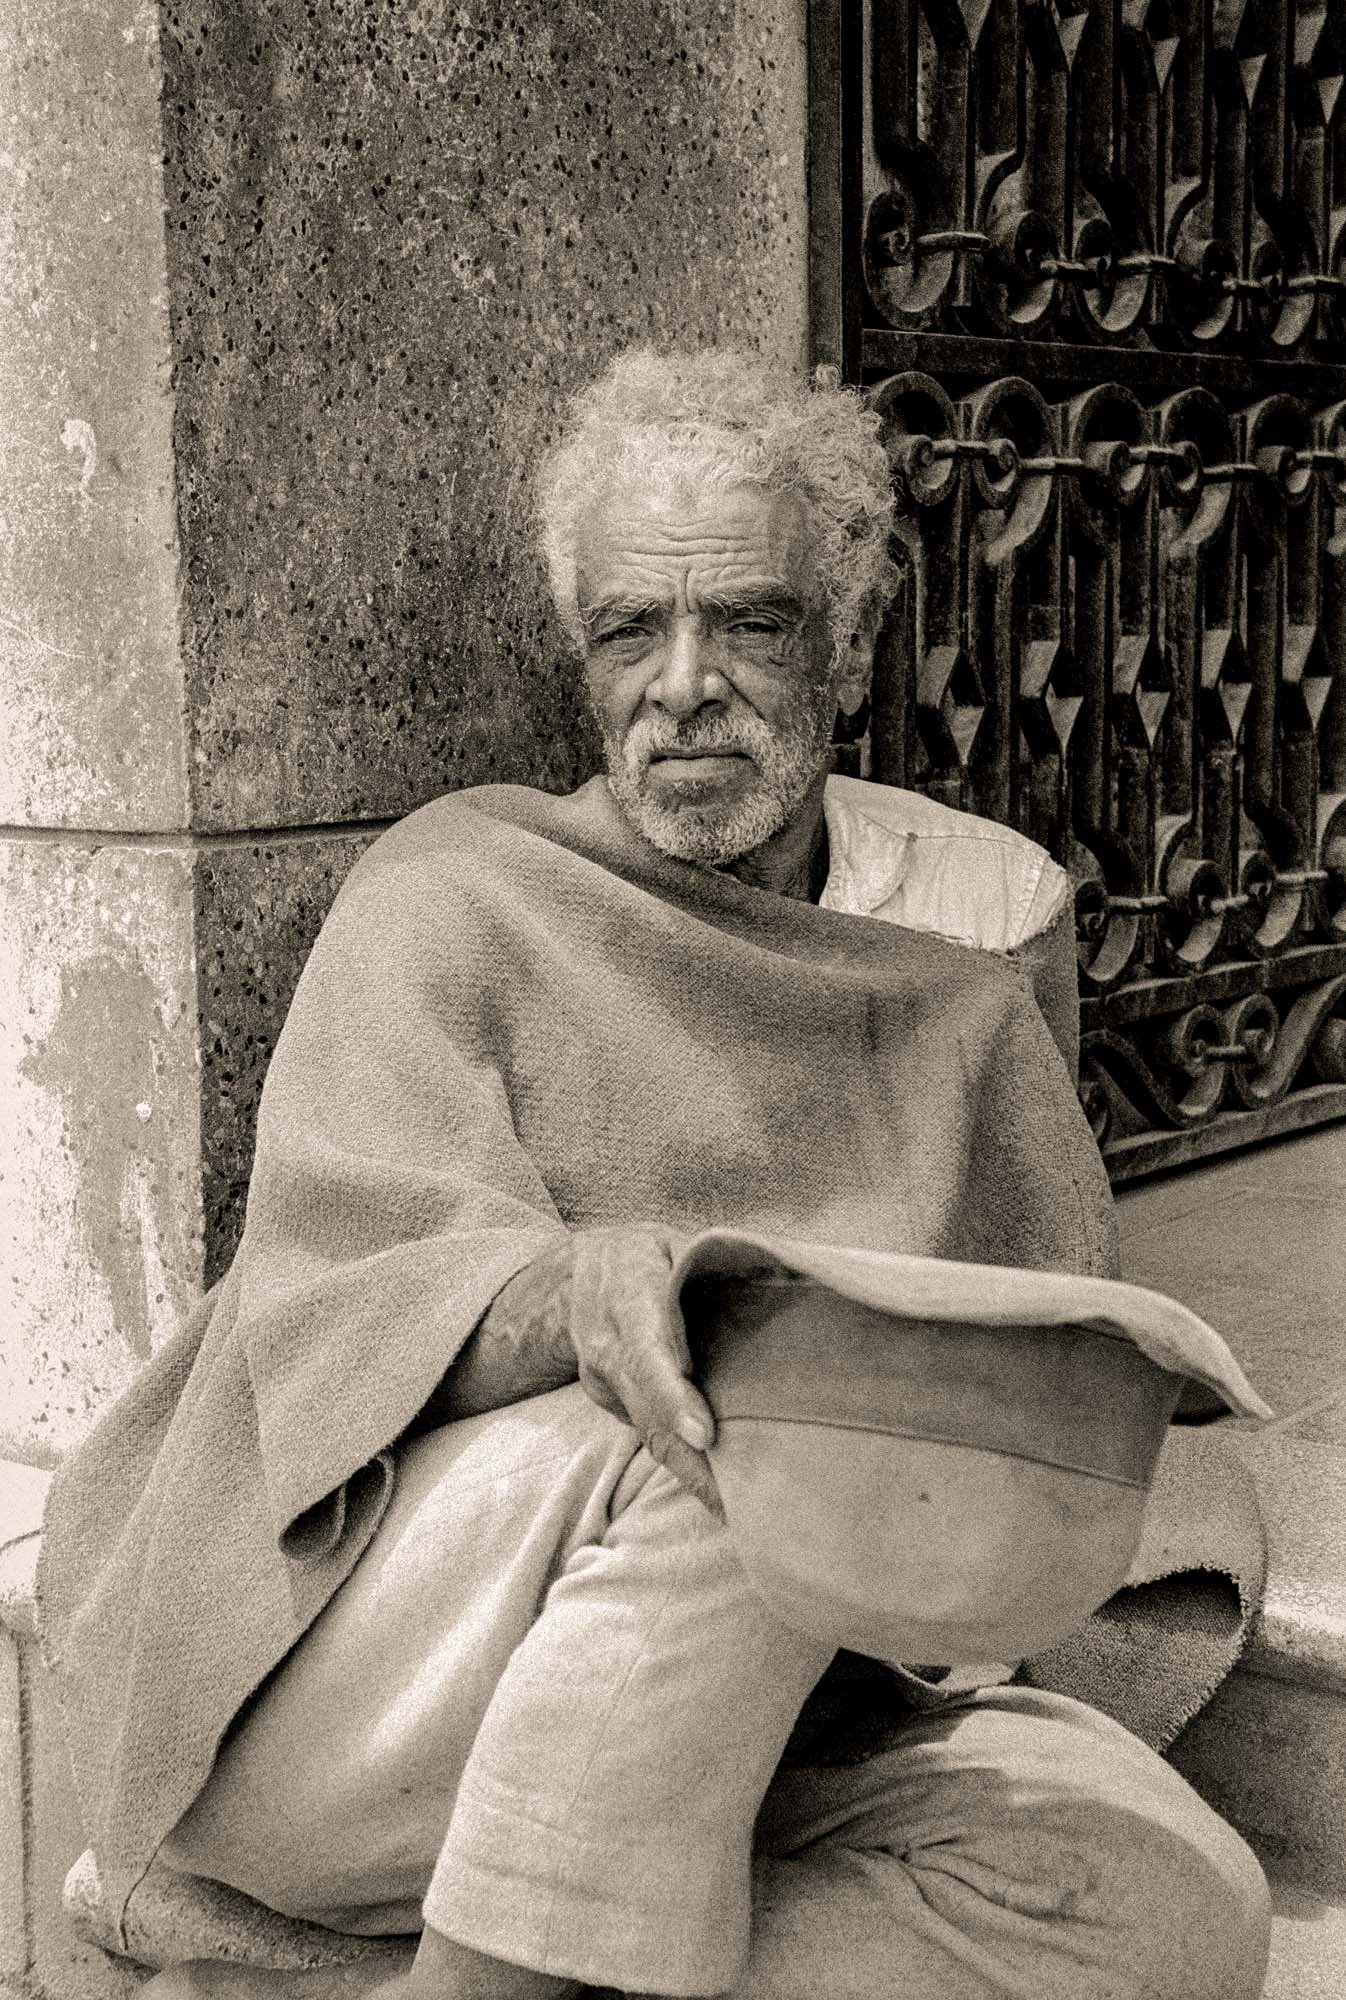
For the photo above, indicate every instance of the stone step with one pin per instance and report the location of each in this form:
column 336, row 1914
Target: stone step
column 40, row 1835
column 1269, row 1751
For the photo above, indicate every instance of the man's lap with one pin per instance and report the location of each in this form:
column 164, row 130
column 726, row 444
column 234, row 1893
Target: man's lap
column 1011, row 1823
column 334, row 1789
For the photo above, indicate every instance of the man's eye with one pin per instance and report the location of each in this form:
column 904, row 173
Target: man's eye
column 756, row 627
column 618, row 632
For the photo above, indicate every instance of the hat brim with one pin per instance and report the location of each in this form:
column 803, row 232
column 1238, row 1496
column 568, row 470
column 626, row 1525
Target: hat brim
column 932, row 1289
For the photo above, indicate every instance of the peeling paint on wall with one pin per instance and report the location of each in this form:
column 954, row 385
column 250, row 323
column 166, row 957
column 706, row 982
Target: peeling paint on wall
column 77, row 436
column 100, row 1220
column 100, row 1060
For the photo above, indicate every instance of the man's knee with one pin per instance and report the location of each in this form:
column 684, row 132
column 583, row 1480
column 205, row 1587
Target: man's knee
column 1182, row 1893
column 1098, row 1903
column 1201, row 1927
column 1173, row 1904
column 1179, row 1908
column 1073, row 1863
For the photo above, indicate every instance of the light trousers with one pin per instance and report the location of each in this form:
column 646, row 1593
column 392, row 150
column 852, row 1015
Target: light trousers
column 545, row 1715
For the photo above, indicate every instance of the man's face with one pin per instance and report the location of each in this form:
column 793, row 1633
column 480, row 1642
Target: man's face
column 708, row 659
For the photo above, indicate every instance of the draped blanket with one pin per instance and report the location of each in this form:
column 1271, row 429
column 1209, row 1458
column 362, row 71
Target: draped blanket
column 519, row 1019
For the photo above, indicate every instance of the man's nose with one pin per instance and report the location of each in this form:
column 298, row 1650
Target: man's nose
column 688, row 677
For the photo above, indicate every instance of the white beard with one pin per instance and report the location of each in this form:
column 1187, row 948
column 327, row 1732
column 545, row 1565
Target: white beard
column 787, row 761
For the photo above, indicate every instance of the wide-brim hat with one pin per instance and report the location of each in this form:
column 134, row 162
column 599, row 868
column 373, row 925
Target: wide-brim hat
column 935, row 1461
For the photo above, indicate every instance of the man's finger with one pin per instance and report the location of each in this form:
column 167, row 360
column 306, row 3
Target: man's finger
column 689, row 1468
column 662, row 1398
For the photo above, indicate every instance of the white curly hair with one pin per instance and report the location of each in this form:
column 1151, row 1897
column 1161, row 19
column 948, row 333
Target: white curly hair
column 722, row 416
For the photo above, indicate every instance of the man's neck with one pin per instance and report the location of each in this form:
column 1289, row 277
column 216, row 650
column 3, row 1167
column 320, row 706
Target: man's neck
column 794, row 862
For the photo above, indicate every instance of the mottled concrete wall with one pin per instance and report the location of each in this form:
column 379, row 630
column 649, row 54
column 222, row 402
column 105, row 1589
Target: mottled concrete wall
column 259, row 905
column 248, row 617
column 397, row 235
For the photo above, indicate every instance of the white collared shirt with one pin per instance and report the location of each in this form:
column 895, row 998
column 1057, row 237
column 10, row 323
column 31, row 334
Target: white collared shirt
column 904, row 859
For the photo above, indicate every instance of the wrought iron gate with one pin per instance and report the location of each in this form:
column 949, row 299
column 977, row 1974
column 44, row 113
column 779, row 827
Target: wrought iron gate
column 1090, row 257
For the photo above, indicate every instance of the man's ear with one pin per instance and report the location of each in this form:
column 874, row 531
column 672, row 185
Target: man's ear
column 855, row 664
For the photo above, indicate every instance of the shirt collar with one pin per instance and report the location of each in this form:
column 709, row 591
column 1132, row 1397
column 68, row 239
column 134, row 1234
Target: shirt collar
column 866, row 858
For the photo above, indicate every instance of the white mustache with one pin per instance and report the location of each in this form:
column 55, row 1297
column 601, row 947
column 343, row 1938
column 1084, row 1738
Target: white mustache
column 649, row 737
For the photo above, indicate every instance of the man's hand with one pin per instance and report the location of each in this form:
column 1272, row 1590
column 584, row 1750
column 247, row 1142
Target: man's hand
column 632, row 1360
column 593, row 1308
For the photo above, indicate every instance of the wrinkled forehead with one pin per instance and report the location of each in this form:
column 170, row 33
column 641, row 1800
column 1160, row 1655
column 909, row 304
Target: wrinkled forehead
column 695, row 535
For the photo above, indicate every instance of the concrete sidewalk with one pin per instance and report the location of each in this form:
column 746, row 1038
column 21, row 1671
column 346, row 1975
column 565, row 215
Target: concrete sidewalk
column 1257, row 1245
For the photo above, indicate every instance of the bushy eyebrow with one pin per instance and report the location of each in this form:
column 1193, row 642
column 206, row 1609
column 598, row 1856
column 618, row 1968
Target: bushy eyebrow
column 606, row 610
column 777, row 598
column 771, row 599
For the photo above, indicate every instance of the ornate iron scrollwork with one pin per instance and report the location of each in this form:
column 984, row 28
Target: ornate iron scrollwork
column 1089, row 257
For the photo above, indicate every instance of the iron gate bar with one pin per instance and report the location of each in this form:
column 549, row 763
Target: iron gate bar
column 1143, row 999
column 1158, row 1152
column 1090, row 261
column 965, row 359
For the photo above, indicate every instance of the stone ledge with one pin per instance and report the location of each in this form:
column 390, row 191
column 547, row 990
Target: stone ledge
column 1300, row 1632
column 41, row 1957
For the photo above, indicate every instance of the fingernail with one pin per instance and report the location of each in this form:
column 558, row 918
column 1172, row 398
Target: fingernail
column 694, row 1431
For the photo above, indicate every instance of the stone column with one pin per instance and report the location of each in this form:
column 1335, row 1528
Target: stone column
column 101, row 1241
column 289, row 297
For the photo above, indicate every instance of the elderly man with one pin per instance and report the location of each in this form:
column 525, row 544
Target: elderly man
column 396, row 1597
